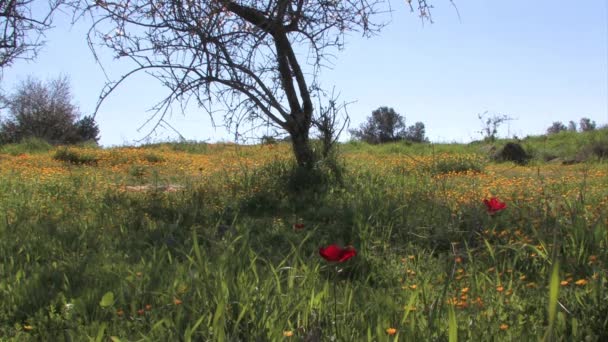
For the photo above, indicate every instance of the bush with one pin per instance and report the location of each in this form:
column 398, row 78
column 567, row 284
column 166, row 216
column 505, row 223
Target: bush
column 73, row 157
column 513, row 152
column 384, row 125
column 153, row 158
column 44, row 111
column 596, row 148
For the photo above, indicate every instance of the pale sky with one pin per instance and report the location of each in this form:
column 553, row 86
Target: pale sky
column 537, row 61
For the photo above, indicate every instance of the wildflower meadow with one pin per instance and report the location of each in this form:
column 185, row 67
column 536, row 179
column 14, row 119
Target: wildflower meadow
column 222, row 242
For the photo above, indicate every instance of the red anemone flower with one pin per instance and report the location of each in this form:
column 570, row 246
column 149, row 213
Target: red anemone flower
column 494, row 205
column 337, row 253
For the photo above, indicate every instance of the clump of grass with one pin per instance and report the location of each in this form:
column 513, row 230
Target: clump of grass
column 454, row 163
column 139, row 173
column 28, row 145
column 153, row 158
column 190, row 147
column 75, row 157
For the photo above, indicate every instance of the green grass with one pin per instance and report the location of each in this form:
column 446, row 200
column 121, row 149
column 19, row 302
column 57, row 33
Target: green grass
column 84, row 262
column 564, row 146
column 30, row 145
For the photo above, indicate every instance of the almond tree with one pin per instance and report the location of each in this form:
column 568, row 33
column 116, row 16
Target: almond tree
column 245, row 56
column 21, row 28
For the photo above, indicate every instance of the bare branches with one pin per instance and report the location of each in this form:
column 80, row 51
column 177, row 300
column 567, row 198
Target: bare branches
column 234, row 53
column 21, row 29
column 238, row 55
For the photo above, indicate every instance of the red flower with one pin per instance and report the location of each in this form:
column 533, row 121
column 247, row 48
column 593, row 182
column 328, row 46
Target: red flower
column 337, row 253
column 298, row 226
column 494, row 205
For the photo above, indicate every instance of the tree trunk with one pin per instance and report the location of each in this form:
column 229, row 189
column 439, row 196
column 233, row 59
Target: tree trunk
column 302, row 149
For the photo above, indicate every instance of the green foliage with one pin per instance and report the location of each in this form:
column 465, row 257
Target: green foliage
column 568, row 145
column 88, row 262
column 556, row 127
column 74, row 156
column 44, row 111
column 28, row 145
column 512, row 152
column 385, row 126
column 456, row 164
column 153, row 158
column 190, row 147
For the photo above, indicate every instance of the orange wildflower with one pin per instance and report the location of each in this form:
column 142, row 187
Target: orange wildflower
column 391, row 331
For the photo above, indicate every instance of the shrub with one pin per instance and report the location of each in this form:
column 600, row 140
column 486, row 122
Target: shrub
column 74, row 157
column 513, row 152
column 44, row 111
column 153, row 158
column 384, row 125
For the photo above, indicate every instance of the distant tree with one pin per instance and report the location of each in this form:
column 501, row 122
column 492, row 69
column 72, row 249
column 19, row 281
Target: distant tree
column 87, row 129
column 587, row 125
column 45, row 111
column 556, row 127
column 22, row 26
column 490, row 124
column 384, row 125
column 416, row 133
column 572, row 126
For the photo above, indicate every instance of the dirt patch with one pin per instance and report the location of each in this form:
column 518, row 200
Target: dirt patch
column 154, row 188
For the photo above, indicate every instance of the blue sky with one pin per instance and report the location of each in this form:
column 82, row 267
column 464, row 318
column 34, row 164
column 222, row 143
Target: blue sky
column 536, row 61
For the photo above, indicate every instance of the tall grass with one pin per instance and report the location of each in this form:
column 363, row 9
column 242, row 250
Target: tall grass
column 84, row 256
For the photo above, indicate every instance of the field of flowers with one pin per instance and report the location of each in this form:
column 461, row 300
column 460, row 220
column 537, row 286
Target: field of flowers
column 228, row 243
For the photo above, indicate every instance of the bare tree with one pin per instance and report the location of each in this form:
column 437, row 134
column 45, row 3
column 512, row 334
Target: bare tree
column 490, row 124
column 21, row 28
column 244, row 56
